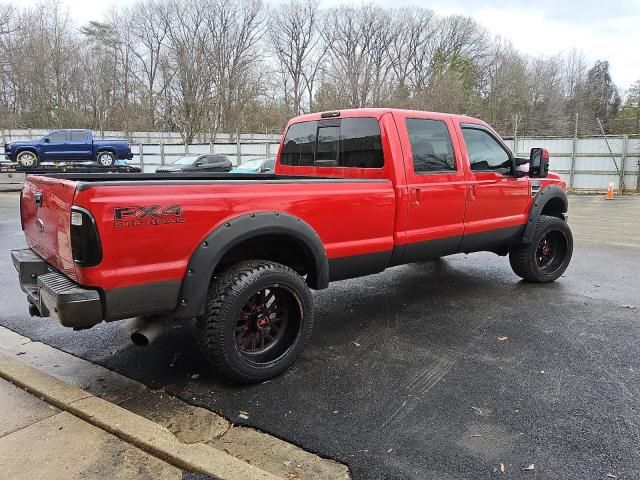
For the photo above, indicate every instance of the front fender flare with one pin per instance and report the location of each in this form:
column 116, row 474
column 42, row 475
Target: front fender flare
column 540, row 200
column 26, row 148
column 211, row 250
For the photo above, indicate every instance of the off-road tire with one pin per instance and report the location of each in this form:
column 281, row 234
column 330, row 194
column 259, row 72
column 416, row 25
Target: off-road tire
column 523, row 258
column 228, row 294
column 22, row 157
column 105, row 159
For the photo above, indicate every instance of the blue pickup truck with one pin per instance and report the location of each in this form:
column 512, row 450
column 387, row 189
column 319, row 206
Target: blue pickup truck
column 67, row 146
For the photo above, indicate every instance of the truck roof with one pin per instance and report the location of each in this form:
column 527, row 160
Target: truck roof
column 377, row 113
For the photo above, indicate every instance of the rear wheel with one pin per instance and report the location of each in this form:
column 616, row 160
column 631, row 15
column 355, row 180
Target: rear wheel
column 27, row 159
column 258, row 317
column 548, row 255
column 106, row 159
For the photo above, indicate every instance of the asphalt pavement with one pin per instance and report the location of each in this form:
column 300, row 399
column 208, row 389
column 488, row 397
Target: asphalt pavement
column 441, row 370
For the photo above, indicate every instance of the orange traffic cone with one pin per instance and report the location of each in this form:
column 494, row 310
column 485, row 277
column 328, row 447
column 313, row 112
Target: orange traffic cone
column 609, row 192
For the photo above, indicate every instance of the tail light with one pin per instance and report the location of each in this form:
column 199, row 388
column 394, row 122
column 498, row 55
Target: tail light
column 21, row 210
column 85, row 242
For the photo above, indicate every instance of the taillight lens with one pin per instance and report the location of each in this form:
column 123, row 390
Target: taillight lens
column 21, row 210
column 85, row 242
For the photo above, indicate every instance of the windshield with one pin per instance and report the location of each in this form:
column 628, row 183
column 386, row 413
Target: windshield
column 187, row 160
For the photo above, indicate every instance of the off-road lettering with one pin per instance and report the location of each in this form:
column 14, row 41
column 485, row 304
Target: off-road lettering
column 147, row 215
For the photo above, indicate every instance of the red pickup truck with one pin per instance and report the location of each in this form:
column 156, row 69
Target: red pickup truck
column 354, row 192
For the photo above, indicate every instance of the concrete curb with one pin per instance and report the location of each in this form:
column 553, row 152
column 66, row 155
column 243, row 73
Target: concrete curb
column 132, row 428
column 188, row 423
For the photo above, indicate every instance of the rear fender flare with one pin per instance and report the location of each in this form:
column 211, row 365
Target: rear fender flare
column 105, row 149
column 541, row 199
column 212, row 248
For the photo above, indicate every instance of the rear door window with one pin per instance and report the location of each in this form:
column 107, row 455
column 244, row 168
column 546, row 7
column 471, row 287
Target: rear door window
column 348, row 142
column 216, row 159
column 360, row 145
column 78, row 136
column 431, row 146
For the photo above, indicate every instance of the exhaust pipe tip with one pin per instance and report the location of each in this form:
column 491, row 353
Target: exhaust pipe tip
column 140, row 339
column 146, row 330
column 33, row 310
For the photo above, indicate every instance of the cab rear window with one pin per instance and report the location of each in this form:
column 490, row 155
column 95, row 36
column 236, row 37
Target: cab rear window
column 347, row 142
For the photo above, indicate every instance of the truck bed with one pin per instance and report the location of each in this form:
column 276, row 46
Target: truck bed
column 87, row 180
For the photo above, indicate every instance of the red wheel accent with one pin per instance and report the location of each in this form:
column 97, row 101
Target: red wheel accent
column 261, row 326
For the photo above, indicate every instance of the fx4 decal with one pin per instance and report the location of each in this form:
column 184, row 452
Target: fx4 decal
column 147, row 215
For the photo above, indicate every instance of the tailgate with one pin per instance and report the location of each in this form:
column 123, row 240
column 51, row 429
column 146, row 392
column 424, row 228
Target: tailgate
column 45, row 209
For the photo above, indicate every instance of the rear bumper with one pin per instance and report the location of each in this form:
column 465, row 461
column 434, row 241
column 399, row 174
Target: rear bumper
column 51, row 294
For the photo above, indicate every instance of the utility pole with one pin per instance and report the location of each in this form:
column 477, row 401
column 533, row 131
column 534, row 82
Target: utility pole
column 574, row 146
column 620, row 173
column 516, row 124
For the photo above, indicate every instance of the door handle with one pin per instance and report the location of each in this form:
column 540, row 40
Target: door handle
column 415, row 196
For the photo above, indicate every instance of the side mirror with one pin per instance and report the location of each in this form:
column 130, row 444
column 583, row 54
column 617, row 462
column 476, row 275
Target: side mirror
column 539, row 163
column 266, row 169
column 46, row 140
column 198, row 164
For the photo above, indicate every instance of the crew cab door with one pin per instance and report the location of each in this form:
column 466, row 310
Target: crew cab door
column 55, row 146
column 497, row 201
column 435, row 183
column 79, row 145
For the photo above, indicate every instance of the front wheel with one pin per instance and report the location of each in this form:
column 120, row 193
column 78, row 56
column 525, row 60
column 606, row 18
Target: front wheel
column 106, row 159
column 548, row 255
column 258, row 317
column 27, row 159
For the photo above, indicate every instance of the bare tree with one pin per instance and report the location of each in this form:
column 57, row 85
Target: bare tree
column 235, row 29
column 146, row 43
column 412, row 46
column 354, row 37
column 187, row 74
column 228, row 65
column 505, row 87
column 293, row 37
column 7, row 14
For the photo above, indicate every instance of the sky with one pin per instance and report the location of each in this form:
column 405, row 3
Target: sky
column 601, row 30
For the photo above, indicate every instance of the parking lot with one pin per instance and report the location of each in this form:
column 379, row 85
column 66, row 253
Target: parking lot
column 444, row 370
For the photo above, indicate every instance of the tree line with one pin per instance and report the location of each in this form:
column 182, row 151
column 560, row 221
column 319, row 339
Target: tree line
column 210, row 66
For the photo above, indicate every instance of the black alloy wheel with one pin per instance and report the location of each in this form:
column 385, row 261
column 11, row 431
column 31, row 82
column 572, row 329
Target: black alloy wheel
column 267, row 324
column 551, row 251
column 548, row 254
column 257, row 320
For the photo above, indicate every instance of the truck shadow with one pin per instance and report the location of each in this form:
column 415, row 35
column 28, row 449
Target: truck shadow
column 432, row 306
column 453, row 293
